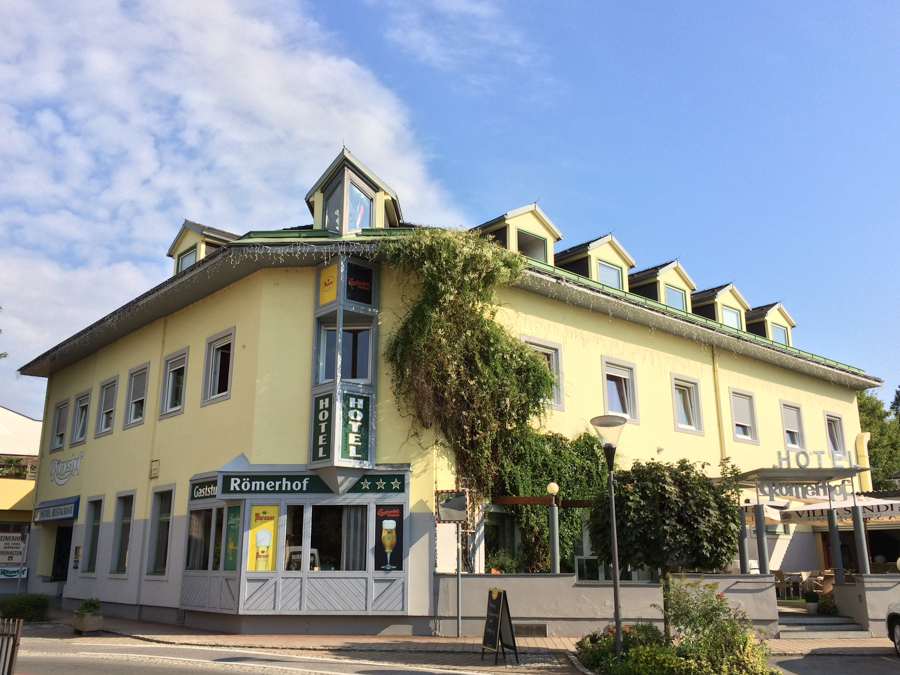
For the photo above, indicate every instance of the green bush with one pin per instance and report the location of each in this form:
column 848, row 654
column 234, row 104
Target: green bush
column 654, row 660
column 810, row 596
column 89, row 606
column 503, row 561
column 598, row 649
column 827, row 605
column 27, row 606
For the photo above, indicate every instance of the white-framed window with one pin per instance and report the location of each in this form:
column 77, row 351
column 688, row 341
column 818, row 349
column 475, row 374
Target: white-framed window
column 731, row 317
column 356, row 353
column 339, row 536
column 124, row 515
column 834, row 431
column 136, row 396
column 106, row 406
column 609, row 275
column 686, row 402
column 199, row 539
column 675, row 298
column 160, row 529
column 217, row 367
column 743, row 416
column 171, row 399
column 187, row 258
column 551, row 352
column 80, row 418
column 779, row 334
column 532, row 246
column 92, row 524
column 620, row 388
column 60, row 417
column 359, row 208
column 792, row 422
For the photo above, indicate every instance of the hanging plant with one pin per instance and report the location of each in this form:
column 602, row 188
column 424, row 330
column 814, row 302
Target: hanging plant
column 454, row 367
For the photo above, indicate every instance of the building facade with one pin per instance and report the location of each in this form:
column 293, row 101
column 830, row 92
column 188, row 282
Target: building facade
column 225, row 450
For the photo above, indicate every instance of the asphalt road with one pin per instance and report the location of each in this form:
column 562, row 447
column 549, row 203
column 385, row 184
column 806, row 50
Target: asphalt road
column 837, row 665
column 46, row 657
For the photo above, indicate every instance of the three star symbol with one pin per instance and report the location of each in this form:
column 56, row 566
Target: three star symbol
column 365, row 485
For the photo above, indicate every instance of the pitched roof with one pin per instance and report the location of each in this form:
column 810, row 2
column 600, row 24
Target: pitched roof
column 578, row 249
column 518, row 212
column 758, row 313
column 345, row 156
column 712, row 293
column 203, row 230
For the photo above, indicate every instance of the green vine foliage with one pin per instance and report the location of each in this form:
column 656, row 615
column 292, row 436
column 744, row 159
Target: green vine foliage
column 454, row 367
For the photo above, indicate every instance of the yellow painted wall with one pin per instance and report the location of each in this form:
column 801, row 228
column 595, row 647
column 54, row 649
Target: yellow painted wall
column 16, row 494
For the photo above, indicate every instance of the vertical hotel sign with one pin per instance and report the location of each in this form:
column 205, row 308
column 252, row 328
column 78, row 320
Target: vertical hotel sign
column 262, row 547
column 323, row 423
column 355, row 415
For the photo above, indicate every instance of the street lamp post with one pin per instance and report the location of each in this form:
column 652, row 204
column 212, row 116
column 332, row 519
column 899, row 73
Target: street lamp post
column 610, row 428
column 552, row 489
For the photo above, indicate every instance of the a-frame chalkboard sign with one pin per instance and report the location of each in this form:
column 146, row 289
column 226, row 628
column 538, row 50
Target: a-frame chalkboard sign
column 498, row 628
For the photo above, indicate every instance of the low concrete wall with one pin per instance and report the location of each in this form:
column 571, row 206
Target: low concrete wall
column 866, row 600
column 571, row 609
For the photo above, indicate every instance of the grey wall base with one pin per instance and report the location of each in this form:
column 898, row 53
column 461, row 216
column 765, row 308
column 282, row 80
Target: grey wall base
column 866, row 597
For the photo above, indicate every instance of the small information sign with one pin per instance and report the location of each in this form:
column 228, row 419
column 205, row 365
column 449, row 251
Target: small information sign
column 498, row 628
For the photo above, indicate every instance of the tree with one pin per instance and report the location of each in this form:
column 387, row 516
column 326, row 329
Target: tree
column 895, row 404
column 884, row 446
column 669, row 517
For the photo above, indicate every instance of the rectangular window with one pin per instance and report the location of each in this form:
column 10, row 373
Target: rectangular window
column 532, row 246
column 124, row 509
column 686, row 399
column 355, row 354
column 162, row 517
column 333, row 204
column 80, row 418
column 60, row 416
column 743, row 414
column 106, row 408
column 293, row 541
column 620, row 388
column 338, row 539
column 779, row 334
column 834, row 429
column 609, row 275
column 359, row 209
column 199, row 537
column 172, row 391
column 550, row 352
column 217, row 368
column 731, row 317
column 187, row 258
column 136, row 396
column 675, row 298
column 92, row 535
column 793, row 426
column 218, row 532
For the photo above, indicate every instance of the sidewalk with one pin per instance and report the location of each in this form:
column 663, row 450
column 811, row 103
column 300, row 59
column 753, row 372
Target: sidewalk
column 463, row 652
column 535, row 654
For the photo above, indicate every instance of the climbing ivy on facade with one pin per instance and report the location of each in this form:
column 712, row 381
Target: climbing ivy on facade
column 456, row 368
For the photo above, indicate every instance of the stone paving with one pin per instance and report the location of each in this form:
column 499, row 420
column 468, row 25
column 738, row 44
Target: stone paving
column 551, row 655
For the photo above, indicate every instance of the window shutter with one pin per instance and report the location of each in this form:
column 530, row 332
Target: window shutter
column 743, row 411
column 790, row 417
column 139, row 386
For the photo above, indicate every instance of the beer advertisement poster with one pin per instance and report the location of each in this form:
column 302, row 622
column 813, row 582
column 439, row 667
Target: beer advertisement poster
column 389, row 537
column 261, row 551
column 232, row 538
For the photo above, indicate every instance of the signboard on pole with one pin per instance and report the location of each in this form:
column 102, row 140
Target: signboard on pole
column 12, row 548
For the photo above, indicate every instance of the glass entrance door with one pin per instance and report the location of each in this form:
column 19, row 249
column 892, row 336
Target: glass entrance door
column 61, row 553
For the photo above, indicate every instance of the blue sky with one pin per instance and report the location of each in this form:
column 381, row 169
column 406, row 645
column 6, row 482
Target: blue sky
column 758, row 142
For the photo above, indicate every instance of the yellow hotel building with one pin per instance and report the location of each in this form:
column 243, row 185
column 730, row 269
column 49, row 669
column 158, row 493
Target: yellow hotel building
column 225, row 450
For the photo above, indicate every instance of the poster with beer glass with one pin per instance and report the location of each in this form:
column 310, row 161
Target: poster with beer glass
column 261, row 553
column 389, row 537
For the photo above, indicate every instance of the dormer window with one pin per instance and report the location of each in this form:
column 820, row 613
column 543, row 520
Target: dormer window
column 675, row 298
column 348, row 204
column 187, row 259
column 532, row 246
column 609, row 275
column 731, row 317
column 779, row 334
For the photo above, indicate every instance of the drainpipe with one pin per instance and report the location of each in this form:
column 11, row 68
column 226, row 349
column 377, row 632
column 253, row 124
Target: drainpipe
column 715, row 369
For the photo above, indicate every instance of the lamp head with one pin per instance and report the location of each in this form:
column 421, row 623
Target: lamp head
column 610, row 427
column 552, row 489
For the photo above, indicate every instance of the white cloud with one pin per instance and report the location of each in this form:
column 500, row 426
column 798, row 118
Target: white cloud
column 473, row 38
column 118, row 120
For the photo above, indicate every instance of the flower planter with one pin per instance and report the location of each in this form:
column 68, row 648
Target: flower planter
column 88, row 624
column 812, row 607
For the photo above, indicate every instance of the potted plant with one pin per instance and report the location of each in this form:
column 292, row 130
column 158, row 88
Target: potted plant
column 811, row 598
column 88, row 619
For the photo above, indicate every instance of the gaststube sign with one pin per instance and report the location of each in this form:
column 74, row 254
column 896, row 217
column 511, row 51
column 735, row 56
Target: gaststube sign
column 282, row 484
column 205, row 490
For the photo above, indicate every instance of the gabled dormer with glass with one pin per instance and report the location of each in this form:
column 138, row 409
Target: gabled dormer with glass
column 526, row 230
column 195, row 242
column 668, row 284
column 349, row 199
column 771, row 321
column 721, row 303
column 603, row 260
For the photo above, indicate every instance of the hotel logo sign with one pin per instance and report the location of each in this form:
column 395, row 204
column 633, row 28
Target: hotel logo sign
column 62, row 470
column 355, row 428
